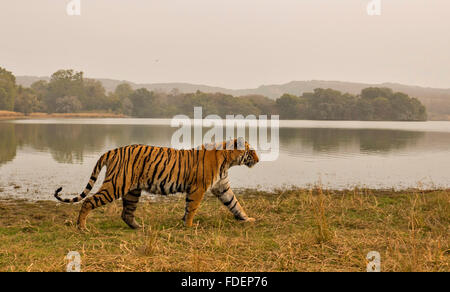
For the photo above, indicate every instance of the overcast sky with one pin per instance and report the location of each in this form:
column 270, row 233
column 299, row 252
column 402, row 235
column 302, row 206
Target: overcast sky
column 230, row 43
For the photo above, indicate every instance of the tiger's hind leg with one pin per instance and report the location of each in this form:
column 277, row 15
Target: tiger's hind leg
column 102, row 197
column 130, row 202
column 193, row 201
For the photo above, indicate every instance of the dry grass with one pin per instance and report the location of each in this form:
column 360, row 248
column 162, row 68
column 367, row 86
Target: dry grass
column 10, row 115
column 296, row 230
column 76, row 115
column 5, row 115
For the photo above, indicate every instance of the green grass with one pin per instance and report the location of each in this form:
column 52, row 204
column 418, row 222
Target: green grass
column 296, row 230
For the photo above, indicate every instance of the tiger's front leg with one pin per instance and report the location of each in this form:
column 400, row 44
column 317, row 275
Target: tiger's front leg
column 224, row 193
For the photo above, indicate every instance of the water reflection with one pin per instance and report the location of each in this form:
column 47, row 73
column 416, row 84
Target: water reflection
column 8, row 143
column 343, row 141
column 64, row 153
column 70, row 143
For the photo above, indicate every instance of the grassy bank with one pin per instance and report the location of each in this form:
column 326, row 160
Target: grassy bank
column 6, row 115
column 296, row 230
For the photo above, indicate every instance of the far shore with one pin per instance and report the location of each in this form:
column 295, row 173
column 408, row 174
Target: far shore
column 8, row 115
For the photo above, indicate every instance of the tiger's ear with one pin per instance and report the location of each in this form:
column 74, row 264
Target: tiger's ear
column 239, row 143
column 229, row 145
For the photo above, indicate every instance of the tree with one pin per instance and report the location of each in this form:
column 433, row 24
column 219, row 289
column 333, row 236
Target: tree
column 94, row 95
column 121, row 99
column 26, row 101
column 8, row 91
column 40, row 88
column 364, row 110
column 69, row 92
column 68, row 104
column 126, row 106
column 419, row 110
column 401, row 107
column 382, row 108
column 373, row 104
column 265, row 105
column 64, row 83
column 374, row 92
column 123, row 91
column 144, row 105
column 288, row 106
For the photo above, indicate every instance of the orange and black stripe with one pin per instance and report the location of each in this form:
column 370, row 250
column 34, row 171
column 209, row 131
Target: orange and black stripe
column 132, row 169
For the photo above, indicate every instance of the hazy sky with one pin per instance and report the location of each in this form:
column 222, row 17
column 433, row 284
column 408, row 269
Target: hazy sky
column 230, row 43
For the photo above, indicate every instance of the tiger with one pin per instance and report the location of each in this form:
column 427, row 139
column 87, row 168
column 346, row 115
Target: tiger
column 162, row 170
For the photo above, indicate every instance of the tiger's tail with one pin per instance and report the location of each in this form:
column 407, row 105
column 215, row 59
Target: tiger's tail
column 98, row 167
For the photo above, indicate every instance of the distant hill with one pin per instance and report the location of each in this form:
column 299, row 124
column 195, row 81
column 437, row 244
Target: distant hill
column 436, row 100
column 111, row 84
column 26, row 81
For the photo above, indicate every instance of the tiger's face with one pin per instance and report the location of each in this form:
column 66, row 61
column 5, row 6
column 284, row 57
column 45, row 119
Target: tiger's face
column 250, row 157
column 243, row 154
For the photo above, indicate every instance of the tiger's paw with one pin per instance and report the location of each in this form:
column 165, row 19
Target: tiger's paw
column 83, row 229
column 249, row 220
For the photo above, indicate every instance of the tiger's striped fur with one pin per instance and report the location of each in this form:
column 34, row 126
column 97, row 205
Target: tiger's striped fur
column 160, row 170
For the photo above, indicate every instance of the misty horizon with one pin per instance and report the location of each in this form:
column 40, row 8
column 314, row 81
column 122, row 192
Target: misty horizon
column 231, row 44
column 240, row 88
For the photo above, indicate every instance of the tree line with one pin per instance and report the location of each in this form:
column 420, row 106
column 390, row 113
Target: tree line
column 373, row 104
column 69, row 92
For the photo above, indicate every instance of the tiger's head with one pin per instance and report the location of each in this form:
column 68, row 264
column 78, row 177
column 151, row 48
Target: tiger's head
column 242, row 153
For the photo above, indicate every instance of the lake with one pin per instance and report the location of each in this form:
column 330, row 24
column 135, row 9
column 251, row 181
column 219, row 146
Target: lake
column 38, row 156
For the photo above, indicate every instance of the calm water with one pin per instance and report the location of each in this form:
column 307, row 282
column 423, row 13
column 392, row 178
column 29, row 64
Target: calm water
column 37, row 156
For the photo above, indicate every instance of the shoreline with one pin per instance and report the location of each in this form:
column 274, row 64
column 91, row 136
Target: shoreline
column 6, row 196
column 295, row 230
column 10, row 115
column 6, row 115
